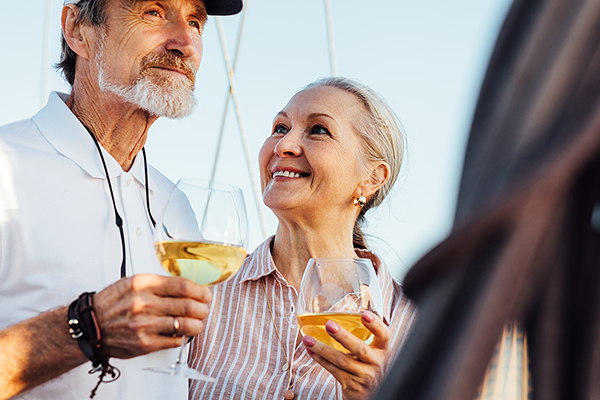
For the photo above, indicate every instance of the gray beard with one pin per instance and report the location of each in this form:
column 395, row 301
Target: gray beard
column 172, row 97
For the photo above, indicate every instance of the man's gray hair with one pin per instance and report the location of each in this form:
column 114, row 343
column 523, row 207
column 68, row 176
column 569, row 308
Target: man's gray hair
column 93, row 11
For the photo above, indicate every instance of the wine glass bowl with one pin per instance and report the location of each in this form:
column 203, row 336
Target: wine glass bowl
column 203, row 233
column 203, row 263
column 202, row 236
column 337, row 289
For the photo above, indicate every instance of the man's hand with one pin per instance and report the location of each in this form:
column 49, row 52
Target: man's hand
column 137, row 315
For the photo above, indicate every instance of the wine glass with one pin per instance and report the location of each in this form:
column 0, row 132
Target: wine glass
column 337, row 289
column 202, row 236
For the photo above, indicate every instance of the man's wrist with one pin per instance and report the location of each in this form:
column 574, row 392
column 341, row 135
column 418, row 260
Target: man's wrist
column 84, row 327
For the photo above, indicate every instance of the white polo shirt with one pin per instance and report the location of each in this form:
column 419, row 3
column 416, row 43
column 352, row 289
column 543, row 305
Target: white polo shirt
column 58, row 238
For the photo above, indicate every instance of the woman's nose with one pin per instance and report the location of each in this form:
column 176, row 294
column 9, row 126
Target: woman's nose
column 288, row 146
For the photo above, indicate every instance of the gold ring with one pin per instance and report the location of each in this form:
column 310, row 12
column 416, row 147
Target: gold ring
column 175, row 325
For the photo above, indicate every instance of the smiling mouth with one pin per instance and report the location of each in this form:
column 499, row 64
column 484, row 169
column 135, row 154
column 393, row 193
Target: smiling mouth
column 178, row 71
column 172, row 69
column 287, row 174
column 170, row 62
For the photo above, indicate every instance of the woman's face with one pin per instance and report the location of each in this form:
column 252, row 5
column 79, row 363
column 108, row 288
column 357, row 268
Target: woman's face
column 311, row 163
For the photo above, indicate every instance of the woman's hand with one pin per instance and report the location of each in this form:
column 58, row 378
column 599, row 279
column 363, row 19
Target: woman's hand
column 361, row 371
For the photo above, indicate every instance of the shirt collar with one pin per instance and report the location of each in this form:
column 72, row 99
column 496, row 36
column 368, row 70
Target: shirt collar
column 69, row 137
column 262, row 263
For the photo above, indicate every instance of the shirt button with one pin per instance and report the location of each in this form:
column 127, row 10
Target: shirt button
column 138, row 231
column 128, row 182
column 285, row 367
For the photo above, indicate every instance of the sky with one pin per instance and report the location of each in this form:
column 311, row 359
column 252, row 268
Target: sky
column 427, row 58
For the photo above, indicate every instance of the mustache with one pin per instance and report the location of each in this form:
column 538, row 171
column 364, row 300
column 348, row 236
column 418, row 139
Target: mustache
column 171, row 60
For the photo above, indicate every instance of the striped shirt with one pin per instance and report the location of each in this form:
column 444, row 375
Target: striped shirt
column 240, row 347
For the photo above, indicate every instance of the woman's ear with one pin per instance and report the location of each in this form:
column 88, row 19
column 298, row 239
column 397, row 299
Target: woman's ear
column 73, row 31
column 379, row 175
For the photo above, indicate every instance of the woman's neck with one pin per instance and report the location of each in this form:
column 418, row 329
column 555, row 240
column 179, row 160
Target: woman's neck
column 294, row 245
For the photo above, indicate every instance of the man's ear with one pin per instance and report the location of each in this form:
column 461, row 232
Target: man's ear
column 74, row 32
column 378, row 176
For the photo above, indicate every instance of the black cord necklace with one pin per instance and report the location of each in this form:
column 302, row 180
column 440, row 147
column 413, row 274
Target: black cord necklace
column 118, row 219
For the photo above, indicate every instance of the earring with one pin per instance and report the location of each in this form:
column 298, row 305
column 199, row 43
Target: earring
column 359, row 201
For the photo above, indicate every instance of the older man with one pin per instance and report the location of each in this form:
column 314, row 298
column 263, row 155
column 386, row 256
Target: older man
column 76, row 209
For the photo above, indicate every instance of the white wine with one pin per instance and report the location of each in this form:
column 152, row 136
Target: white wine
column 203, row 263
column 313, row 324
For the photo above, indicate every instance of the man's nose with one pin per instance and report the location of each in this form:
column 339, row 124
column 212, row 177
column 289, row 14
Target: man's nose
column 182, row 38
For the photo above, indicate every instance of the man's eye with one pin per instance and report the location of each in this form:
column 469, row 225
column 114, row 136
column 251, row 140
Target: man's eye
column 319, row 130
column 281, row 129
column 154, row 13
column 194, row 24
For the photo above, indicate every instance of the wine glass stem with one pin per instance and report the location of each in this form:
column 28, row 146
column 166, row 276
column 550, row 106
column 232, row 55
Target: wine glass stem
column 180, row 356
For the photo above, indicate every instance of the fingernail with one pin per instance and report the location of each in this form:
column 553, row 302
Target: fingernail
column 332, row 327
column 368, row 316
column 309, row 341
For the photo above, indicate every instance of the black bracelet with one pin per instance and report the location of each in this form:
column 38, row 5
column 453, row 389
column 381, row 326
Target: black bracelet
column 83, row 326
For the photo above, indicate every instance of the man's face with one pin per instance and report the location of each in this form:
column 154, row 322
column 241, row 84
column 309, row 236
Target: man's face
column 150, row 53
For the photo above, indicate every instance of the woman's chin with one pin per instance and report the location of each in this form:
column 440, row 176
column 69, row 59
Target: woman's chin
column 283, row 199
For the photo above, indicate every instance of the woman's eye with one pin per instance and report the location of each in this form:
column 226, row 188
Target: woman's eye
column 319, row 130
column 280, row 129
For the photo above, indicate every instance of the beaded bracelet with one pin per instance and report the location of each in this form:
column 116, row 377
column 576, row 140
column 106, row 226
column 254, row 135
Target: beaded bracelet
column 83, row 327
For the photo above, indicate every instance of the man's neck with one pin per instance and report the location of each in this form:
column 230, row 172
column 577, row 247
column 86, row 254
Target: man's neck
column 121, row 128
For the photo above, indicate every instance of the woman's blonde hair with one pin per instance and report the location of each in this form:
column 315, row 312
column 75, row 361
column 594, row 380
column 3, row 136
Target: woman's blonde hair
column 382, row 138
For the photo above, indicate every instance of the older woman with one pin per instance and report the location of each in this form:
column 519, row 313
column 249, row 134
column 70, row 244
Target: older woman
column 334, row 152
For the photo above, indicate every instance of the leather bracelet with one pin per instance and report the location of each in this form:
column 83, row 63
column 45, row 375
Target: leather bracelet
column 84, row 327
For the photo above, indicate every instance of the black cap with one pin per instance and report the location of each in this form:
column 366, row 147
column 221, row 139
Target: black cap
column 223, row 7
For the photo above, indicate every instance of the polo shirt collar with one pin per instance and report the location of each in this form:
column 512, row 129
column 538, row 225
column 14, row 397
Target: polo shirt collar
column 61, row 128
